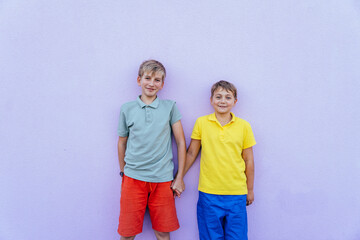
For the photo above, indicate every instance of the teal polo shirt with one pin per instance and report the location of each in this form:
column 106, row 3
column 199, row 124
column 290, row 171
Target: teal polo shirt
column 148, row 153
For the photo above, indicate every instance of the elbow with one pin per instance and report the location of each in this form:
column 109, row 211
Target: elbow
column 249, row 162
column 190, row 155
column 121, row 144
column 181, row 144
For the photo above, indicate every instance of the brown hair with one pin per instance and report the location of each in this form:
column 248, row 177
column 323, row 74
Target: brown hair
column 224, row 85
column 152, row 66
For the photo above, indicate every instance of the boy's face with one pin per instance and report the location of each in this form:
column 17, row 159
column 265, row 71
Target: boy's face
column 150, row 83
column 223, row 101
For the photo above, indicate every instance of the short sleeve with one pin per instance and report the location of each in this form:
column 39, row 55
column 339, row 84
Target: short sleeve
column 249, row 139
column 174, row 114
column 123, row 130
column 196, row 133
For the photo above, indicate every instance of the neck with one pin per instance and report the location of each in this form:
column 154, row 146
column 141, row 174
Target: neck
column 147, row 100
column 223, row 118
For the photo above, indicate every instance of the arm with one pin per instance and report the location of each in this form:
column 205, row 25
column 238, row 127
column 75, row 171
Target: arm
column 121, row 152
column 192, row 153
column 248, row 157
column 178, row 184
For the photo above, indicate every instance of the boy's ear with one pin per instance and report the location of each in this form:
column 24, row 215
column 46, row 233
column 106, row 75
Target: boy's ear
column 235, row 100
column 138, row 80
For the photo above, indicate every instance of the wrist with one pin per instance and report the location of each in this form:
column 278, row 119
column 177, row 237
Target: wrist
column 179, row 177
column 180, row 174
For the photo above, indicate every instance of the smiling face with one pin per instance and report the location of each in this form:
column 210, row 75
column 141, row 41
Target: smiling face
column 222, row 101
column 150, row 83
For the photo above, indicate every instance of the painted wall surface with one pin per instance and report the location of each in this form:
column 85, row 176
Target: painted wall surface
column 66, row 67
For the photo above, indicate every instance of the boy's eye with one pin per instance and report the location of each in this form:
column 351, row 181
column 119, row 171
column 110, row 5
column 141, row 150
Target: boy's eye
column 228, row 98
column 158, row 80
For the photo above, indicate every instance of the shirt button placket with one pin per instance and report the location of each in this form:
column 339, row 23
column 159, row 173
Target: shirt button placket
column 222, row 135
column 148, row 115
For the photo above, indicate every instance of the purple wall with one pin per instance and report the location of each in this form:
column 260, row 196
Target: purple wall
column 67, row 66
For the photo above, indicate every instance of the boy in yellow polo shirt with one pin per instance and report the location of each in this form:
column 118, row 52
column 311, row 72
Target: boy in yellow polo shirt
column 226, row 167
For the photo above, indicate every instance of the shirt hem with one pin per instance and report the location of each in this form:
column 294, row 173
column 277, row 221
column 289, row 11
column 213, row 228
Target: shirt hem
column 144, row 179
column 223, row 192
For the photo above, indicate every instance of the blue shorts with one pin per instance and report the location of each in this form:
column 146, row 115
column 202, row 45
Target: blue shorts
column 222, row 217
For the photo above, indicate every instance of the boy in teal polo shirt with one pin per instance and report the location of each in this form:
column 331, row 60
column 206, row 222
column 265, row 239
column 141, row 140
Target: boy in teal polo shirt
column 226, row 178
column 145, row 157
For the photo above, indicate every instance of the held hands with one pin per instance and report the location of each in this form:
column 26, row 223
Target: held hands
column 177, row 186
column 250, row 197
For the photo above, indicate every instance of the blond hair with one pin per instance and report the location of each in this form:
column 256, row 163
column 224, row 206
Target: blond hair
column 152, row 66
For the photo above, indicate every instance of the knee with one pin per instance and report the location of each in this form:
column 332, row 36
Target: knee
column 162, row 235
column 127, row 238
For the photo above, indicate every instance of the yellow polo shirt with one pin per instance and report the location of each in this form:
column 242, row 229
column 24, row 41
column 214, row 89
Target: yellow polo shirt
column 222, row 168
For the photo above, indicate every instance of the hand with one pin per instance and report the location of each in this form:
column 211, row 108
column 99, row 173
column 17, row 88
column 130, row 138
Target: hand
column 177, row 186
column 250, row 197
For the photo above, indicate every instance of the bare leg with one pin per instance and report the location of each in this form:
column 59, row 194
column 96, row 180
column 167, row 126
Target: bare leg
column 127, row 238
column 162, row 235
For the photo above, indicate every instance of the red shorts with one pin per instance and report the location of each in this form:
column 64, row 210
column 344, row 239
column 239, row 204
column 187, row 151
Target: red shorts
column 136, row 195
